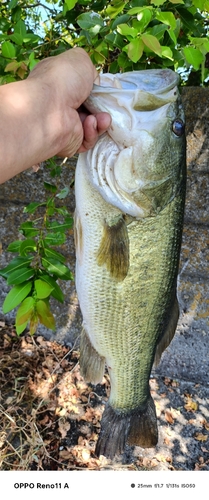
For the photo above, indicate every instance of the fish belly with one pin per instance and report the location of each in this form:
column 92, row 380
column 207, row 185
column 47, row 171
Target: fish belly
column 125, row 319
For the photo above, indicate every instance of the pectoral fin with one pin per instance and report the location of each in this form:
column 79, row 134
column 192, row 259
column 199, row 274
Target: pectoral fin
column 114, row 249
column 169, row 333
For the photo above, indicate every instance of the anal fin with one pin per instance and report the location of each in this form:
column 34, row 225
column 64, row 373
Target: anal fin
column 168, row 334
column 136, row 427
column 114, row 248
column 92, row 365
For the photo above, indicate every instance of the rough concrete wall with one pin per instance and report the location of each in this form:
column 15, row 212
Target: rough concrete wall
column 188, row 354
column 190, row 347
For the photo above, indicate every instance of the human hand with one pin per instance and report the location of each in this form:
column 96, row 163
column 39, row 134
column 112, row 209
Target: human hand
column 69, row 79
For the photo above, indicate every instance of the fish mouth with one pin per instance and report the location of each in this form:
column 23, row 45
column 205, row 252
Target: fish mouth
column 155, row 81
column 144, row 90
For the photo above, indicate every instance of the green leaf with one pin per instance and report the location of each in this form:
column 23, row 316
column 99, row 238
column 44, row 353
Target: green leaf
column 167, row 52
column 20, row 276
column 50, row 187
column 158, row 30
column 63, row 193
column 193, row 57
column 201, row 43
column 27, row 228
column 44, row 314
column 89, row 20
column 16, row 296
column 158, row 2
column 53, row 266
column 31, row 38
column 55, row 239
column 16, row 38
column 188, row 20
column 24, row 311
column 120, row 20
column 15, row 263
column 144, row 17
column 166, row 18
column 152, row 43
column 12, row 66
column 43, row 289
column 172, row 36
column 8, row 50
column 62, row 211
column 31, row 208
column 20, row 329
column 27, row 246
column 14, row 246
column 138, row 10
column 48, row 252
column 60, row 227
column 126, row 30
column 114, row 9
column 20, row 28
column 56, row 292
column 32, row 61
column 12, row 4
column 70, row 4
column 134, row 49
column 115, row 40
column 33, row 322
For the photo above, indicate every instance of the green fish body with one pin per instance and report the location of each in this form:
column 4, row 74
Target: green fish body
column 130, row 196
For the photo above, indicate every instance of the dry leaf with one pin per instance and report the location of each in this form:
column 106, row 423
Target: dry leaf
column 201, row 437
column 65, row 454
column 169, row 417
column 64, row 427
column 191, row 405
column 204, row 450
column 206, row 425
column 146, row 462
column 166, row 441
column 160, row 458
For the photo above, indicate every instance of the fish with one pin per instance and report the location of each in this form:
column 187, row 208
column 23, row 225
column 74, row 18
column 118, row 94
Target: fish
column 130, row 197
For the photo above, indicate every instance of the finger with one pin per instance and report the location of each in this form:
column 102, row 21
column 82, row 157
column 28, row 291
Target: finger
column 90, row 133
column 93, row 127
column 103, row 122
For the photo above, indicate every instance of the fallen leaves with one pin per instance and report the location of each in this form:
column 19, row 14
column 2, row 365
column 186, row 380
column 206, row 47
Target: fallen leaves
column 49, row 412
column 171, row 414
column 50, row 418
column 201, row 437
column 190, row 405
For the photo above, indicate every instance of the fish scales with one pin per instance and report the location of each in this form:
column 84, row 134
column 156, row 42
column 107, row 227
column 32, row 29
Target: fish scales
column 126, row 273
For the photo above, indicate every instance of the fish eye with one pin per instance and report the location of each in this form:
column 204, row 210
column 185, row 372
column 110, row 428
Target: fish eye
column 178, row 127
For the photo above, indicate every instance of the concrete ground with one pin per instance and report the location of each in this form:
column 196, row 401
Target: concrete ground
column 187, row 358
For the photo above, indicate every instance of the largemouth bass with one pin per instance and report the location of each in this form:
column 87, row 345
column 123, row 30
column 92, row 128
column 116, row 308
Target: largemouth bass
column 130, row 196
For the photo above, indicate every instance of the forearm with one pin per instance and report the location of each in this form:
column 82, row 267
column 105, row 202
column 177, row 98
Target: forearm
column 31, row 126
column 39, row 116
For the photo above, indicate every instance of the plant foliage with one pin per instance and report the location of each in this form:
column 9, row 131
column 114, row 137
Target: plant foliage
column 35, row 271
column 118, row 35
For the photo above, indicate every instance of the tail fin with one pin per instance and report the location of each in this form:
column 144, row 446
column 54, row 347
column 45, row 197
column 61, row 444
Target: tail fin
column 136, row 427
column 92, row 365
